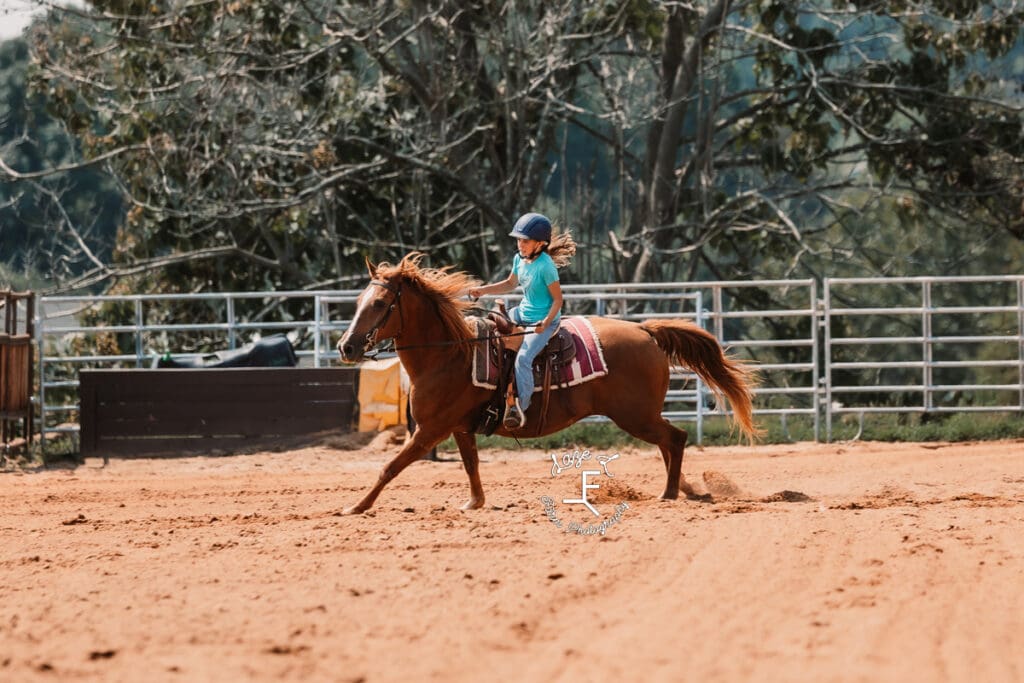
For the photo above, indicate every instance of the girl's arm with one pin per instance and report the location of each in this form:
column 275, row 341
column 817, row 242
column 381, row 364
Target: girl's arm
column 500, row 287
column 556, row 305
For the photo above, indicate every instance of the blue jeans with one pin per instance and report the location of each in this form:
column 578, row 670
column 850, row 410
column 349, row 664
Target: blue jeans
column 533, row 344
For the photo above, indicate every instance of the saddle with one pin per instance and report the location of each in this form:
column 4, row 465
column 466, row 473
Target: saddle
column 557, row 354
column 572, row 356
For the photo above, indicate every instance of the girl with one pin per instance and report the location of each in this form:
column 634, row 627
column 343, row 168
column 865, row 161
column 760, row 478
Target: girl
column 537, row 271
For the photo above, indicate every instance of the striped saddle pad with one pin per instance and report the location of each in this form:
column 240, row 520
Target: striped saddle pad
column 587, row 364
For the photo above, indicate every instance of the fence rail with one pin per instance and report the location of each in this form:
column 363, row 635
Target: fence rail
column 868, row 345
column 946, row 362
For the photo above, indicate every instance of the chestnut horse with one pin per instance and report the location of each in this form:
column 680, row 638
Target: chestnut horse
column 422, row 310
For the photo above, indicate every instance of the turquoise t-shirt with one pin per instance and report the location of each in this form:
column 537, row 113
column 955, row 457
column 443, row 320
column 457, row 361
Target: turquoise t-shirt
column 535, row 277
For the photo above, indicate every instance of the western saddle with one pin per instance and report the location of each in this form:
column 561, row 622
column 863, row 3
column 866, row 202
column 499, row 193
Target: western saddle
column 547, row 366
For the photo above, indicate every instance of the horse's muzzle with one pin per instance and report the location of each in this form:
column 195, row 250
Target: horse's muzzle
column 350, row 350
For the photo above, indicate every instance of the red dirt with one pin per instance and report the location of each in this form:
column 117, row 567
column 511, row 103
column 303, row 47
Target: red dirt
column 805, row 562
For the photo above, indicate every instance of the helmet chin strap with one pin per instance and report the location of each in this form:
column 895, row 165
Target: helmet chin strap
column 536, row 252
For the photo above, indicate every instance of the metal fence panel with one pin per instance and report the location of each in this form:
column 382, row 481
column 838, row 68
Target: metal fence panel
column 924, row 345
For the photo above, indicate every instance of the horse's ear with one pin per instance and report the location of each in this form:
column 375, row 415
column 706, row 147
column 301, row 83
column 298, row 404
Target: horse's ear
column 372, row 269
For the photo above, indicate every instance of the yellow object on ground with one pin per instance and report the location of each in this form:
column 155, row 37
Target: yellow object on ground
column 383, row 394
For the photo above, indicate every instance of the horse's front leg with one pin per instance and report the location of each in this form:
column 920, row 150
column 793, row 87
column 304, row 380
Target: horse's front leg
column 417, row 447
column 471, row 460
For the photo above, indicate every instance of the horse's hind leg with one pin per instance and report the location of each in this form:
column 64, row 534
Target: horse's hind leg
column 471, row 461
column 671, row 441
column 414, row 449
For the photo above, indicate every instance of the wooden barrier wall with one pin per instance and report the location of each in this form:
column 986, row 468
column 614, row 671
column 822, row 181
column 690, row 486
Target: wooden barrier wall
column 16, row 364
column 15, row 359
column 186, row 410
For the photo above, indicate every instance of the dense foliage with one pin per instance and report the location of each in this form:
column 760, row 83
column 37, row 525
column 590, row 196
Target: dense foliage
column 273, row 143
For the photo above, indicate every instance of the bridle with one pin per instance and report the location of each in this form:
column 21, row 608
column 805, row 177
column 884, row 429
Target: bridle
column 396, row 302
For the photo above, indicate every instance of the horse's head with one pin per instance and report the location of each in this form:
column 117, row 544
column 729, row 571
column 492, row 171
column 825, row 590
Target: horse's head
column 378, row 315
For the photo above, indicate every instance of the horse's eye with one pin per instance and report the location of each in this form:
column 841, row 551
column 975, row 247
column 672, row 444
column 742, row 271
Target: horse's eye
column 379, row 304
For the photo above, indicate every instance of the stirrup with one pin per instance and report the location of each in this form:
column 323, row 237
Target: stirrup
column 515, row 418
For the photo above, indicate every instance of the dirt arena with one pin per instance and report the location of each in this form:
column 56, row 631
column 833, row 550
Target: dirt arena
column 805, row 562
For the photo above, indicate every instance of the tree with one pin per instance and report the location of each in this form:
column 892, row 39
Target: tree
column 250, row 136
column 272, row 143
column 772, row 116
column 55, row 223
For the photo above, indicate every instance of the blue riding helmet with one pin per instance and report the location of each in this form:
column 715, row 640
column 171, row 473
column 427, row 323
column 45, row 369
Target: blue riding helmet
column 532, row 226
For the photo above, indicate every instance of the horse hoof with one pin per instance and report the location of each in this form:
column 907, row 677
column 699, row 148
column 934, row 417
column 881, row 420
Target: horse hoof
column 354, row 510
column 669, row 495
column 473, row 504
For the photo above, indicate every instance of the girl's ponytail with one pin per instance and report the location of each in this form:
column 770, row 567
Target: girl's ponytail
column 562, row 248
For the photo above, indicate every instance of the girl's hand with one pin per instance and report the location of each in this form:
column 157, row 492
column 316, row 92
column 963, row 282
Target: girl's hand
column 475, row 292
column 541, row 325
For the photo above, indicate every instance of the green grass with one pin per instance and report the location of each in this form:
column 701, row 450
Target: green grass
column 718, row 432
column 604, row 436
column 947, row 427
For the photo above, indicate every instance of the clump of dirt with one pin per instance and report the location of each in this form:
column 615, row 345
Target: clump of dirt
column 614, row 491
column 719, row 485
column 895, row 494
column 888, row 496
column 787, row 497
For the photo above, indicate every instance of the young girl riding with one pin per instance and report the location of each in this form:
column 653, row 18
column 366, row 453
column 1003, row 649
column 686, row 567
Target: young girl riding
column 540, row 309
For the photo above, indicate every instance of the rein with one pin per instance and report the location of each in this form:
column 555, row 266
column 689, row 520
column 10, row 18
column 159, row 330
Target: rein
column 471, row 340
column 396, row 302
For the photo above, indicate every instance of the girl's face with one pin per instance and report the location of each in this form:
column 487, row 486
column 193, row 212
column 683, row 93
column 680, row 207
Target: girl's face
column 528, row 247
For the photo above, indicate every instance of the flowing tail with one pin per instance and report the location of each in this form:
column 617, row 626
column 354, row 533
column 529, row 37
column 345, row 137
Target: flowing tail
column 689, row 345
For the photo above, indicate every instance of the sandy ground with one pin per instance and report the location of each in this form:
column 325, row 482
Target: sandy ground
column 804, row 562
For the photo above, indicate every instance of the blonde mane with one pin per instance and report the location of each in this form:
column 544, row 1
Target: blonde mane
column 442, row 286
